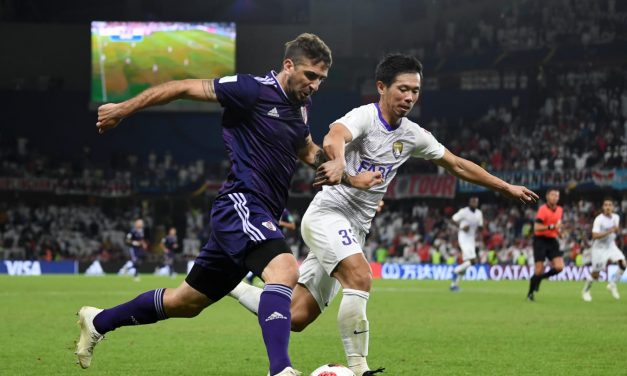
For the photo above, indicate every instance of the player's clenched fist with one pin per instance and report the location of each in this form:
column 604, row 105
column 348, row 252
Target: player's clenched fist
column 109, row 116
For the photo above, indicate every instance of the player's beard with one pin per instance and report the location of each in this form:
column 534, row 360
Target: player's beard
column 295, row 95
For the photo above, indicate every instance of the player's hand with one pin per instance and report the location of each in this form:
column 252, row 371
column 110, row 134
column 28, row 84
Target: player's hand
column 109, row 116
column 466, row 228
column 329, row 173
column 365, row 180
column 521, row 193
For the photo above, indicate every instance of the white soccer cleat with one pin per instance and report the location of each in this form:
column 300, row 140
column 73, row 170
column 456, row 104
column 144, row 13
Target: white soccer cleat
column 89, row 336
column 585, row 295
column 614, row 290
column 288, row 371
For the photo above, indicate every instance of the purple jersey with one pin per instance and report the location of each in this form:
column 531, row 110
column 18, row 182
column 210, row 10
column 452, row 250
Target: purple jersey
column 263, row 132
column 135, row 236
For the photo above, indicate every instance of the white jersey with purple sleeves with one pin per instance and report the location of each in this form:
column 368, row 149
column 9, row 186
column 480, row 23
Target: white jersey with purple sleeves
column 376, row 146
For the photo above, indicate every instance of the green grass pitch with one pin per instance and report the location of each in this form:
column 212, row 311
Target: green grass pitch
column 128, row 67
column 417, row 328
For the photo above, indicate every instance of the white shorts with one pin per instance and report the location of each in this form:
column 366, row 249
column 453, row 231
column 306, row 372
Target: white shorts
column 469, row 250
column 331, row 238
column 601, row 256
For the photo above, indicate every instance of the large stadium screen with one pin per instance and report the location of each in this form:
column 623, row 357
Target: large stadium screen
column 128, row 57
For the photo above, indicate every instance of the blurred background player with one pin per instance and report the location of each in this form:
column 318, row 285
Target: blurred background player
column 604, row 250
column 376, row 138
column 469, row 220
column 170, row 246
column 545, row 245
column 286, row 222
column 265, row 132
column 137, row 245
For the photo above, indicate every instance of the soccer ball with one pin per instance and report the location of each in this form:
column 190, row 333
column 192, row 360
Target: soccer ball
column 332, row 370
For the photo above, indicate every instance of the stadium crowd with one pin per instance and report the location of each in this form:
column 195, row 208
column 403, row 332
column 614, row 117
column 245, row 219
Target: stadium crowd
column 421, row 233
column 534, row 24
column 417, row 232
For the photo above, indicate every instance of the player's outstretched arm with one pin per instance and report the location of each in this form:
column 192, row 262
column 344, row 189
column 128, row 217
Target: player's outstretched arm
column 471, row 172
column 111, row 114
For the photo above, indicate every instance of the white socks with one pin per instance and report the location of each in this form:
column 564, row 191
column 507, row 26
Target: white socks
column 248, row 296
column 618, row 275
column 588, row 284
column 354, row 329
column 460, row 270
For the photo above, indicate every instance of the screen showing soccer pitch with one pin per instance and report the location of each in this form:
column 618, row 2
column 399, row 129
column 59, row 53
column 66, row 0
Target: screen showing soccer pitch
column 128, row 57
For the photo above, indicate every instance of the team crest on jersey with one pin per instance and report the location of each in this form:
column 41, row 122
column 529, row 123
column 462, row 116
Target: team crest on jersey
column 269, row 225
column 303, row 112
column 397, row 149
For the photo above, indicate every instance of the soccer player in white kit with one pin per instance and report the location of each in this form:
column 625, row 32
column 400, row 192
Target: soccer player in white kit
column 604, row 249
column 376, row 138
column 469, row 220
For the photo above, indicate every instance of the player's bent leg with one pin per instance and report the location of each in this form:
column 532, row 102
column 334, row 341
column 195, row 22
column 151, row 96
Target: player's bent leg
column 248, row 296
column 557, row 266
column 613, row 285
column 355, row 276
column 459, row 272
column 305, row 309
column 184, row 301
column 146, row 308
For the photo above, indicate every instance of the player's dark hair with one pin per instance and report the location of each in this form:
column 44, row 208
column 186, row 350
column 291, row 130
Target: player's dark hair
column 552, row 189
column 394, row 64
column 608, row 198
column 308, row 46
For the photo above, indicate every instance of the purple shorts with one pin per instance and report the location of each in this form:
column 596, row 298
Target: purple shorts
column 239, row 223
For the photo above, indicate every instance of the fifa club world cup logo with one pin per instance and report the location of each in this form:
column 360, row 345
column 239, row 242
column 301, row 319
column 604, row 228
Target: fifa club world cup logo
column 397, row 149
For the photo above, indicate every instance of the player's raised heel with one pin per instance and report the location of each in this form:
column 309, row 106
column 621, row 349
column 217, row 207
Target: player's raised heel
column 288, row 371
column 614, row 290
column 89, row 336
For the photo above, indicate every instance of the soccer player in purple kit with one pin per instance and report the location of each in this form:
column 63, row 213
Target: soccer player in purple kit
column 136, row 246
column 170, row 246
column 265, row 132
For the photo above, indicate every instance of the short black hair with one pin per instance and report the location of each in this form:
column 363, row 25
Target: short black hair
column 392, row 65
column 308, row 46
column 608, row 198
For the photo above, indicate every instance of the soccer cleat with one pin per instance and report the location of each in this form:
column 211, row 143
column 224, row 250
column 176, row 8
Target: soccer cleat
column 585, row 295
column 89, row 336
column 288, row 371
column 370, row 373
column 531, row 297
column 454, row 288
column 614, row 290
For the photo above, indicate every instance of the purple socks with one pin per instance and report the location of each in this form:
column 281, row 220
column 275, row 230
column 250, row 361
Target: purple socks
column 275, row 321
column 146, row 308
